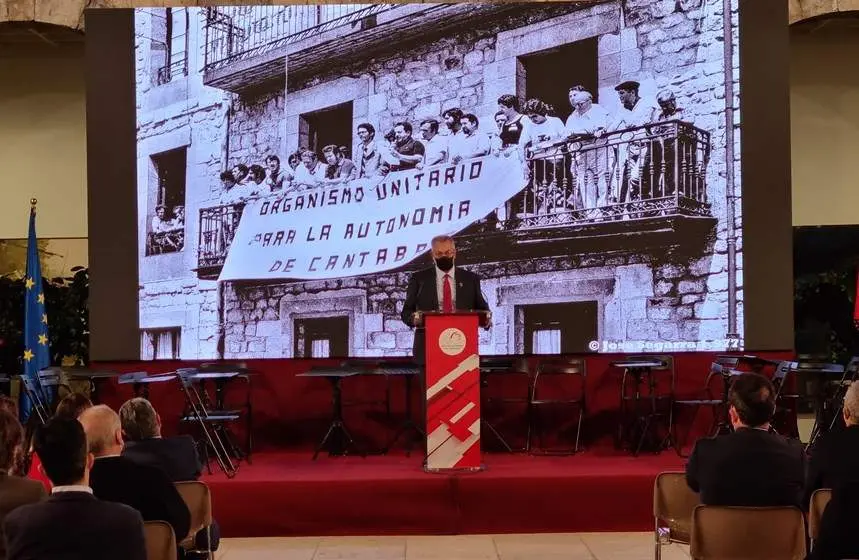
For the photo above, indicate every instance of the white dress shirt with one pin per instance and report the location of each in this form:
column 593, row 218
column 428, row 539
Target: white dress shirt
column 439, row 284
column 588, row 122
column 71, row 488
column 437, row 149
column 640, row 115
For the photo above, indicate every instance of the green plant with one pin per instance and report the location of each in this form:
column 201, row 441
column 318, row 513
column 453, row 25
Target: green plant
column 66, row 303
column 823, row 312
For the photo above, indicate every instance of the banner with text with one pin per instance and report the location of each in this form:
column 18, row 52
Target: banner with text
column 366, row 227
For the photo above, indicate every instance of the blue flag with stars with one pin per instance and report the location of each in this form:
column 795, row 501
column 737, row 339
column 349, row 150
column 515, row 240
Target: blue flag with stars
column 36, row 354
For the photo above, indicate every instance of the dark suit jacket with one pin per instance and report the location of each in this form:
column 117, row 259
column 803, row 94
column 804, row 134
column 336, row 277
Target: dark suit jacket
column 422, row 295
column 73, row 526
column 176, row 456
column 835, row 464
column 146, row 489
column 749, row 467
column 14, row 493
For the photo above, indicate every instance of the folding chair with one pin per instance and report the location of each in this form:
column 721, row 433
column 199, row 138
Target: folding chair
column 558, row 370
column 819, row 500
column 211, row 424
column 747, row 533
column 198, row 498
column 160, row 540
column 673, row 504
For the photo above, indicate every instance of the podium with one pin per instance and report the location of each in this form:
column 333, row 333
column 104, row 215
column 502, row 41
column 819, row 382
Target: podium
column 453, row 390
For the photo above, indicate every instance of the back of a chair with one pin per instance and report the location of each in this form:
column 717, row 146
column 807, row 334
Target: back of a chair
column 819, row 501
column 160, row 540
column 765, row 533
column 562, row 366
column 198, row 498
column 673, row 504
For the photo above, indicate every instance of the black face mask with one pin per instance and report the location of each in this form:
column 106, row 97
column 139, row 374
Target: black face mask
column 444, row 263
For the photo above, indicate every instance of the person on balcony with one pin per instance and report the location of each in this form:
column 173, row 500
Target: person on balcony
column 370, row 156
column 408, row 151
column 276, row 176
column 588, row 118
column 554, row 191
column 311, row 172
column 631, row 159
column 667, row 150
column 452, row 121
column 340, row 169
column 435, row 145
column 515, row 123
column 160, row 223
column 469, row 143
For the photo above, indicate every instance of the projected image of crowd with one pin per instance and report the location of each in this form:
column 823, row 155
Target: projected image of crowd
column 453, row 137
column 557, row 177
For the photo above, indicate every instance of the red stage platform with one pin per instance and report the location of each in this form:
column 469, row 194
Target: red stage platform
column 287, row 494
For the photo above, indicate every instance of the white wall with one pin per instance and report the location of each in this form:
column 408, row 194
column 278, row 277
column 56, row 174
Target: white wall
column 42, row 140
column 825, row 126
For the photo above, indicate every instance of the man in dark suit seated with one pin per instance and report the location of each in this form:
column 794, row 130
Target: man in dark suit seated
column 834, row 464
column 118, row 479
column 442, row 287
column 71, row 523
column 751, row 466
column 176, row 456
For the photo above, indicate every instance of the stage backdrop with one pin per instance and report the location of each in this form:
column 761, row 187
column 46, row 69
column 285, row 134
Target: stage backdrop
column 294, row 162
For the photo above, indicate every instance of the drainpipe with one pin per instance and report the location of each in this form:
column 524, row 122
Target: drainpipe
column 222, row 326
column 729, row 168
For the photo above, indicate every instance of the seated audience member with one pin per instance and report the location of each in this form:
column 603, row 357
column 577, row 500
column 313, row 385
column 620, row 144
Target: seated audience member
column 14, row 491
column 72, row 523
column 834, row 464
column 70, row 407
column 118, row 479
column 176, row 456
column 751, row 466
column 9, row 405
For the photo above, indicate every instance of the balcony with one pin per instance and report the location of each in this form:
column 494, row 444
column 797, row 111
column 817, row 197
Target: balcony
column 217, row 228
column 249, row 45
column 640, row 189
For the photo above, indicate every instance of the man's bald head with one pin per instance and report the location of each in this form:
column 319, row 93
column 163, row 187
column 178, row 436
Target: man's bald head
column 103, row 430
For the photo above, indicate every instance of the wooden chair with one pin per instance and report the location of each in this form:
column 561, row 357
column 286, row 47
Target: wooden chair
column 819, row 501
column 747, row 533
column 160, row 540
column 198, row 498
column 673, row 504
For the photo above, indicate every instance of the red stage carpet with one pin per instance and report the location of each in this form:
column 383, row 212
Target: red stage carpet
column 287, row 494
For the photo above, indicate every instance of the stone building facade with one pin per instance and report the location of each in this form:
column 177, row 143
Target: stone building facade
column 664, row 284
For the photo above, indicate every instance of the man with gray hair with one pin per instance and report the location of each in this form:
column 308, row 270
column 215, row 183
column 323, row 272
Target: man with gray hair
column 141, row 428
column 834, row 464
column 177, row 456
column 118, row 479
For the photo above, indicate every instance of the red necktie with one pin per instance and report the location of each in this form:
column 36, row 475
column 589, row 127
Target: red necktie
column 447, row 296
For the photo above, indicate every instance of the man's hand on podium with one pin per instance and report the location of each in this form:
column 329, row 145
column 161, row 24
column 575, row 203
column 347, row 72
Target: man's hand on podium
column 417, row 318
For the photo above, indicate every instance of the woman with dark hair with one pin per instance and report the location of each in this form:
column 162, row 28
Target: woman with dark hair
column 71, row 406
column 14, row 490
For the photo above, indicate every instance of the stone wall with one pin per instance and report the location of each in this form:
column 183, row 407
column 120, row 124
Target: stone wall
column 69, row 13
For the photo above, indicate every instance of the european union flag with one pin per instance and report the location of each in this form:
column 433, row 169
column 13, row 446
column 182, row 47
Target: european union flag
column 36, row 354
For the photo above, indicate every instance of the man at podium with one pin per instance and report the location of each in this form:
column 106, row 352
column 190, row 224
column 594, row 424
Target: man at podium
column 442, row 287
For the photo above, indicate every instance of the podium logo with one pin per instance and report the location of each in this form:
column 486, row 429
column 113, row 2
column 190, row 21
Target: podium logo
column 452, row 341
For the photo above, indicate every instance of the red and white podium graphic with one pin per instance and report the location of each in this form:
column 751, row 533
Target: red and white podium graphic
column 453, row 391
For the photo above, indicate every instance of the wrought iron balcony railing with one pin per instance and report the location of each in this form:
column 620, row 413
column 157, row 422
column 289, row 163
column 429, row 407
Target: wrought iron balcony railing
column 645, row 172
column 158, row 243
column 648, row 171
column 235, row 33
column 217, row 228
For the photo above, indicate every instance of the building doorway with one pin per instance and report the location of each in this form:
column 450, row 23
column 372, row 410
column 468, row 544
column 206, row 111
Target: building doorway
column 332, row 125
column 549, row 74
column 560, row 328
column 322, row 337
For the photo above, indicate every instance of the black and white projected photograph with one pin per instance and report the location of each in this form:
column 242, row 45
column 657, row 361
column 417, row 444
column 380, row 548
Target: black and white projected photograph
column 295, row 162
